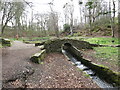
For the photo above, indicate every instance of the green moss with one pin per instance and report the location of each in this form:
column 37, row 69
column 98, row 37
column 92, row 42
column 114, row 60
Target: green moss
column 103, row 66
column 5, row 42
column 6, row 45
column 55, row 45
column 38, row 57
column 85, row 74
column 41, row 63
column 108, row 75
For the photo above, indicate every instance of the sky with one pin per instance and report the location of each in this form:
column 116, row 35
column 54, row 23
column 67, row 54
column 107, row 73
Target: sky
column 42, row 6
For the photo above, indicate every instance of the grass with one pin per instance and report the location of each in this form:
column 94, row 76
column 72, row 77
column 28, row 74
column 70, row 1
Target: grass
column 13, row 39
column 36, row 40
column 107, row 54
column 103, row 41
column 31, row 40
column 41, row 38
column 99, row 40
column 96, row 40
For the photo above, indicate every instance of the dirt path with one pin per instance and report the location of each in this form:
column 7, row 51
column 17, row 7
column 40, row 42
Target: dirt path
column 55, row 72
column 16, row 58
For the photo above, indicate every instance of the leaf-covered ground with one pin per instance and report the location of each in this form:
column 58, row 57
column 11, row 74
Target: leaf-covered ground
column 55, row 71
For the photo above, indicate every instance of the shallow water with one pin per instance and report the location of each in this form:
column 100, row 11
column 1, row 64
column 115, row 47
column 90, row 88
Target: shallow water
column 91, row 73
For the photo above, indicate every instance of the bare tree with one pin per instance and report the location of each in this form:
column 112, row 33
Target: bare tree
column 11, row 12
column 55, row 19
column 119, row 20
column 80, row 4
column 69, row 8
column 41, row 21
column 19, row 8
column 113, row 18
column 66, row 14
column 7, row 12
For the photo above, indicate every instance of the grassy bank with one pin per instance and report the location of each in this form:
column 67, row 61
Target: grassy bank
column 107, row 54
column 103, row 41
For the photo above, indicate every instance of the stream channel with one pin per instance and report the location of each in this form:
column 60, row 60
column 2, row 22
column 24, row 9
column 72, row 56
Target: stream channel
column 91, row 73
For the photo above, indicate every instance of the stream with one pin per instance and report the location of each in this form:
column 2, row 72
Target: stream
column 91, row 73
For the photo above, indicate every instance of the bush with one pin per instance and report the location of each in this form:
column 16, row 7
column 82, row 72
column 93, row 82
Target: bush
column 66, row 27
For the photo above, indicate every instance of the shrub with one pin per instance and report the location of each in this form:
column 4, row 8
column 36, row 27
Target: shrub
column 66, row 27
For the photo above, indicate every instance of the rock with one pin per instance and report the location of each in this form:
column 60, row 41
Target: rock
column 5, row 42
column 41, row 47
column 38, row 44
column 38, row 57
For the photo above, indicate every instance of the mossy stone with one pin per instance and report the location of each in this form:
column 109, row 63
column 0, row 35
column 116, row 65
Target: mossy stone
column 38, row 57
column 5, row 42
column 55, row 45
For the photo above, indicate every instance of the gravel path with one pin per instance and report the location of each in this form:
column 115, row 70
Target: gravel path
column 55, row 72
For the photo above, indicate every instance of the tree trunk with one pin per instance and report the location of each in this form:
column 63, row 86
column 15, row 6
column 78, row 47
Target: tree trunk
column 113, row 20
column 71, row 24
column 112, row 28
column 90, row 20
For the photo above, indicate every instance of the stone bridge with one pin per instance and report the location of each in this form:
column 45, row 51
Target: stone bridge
column 56, row 44
column 73, row 47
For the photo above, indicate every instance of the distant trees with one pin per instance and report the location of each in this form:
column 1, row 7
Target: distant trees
column 54, row 18
column 68, row 12
column 19, row 8
column 41, row 22
column 80, row 7
column 95, row 11
column 11, row 12
column 47, row 23
column 7, row 13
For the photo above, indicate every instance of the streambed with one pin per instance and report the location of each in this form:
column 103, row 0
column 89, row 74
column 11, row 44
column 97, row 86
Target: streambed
column 89, row 71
